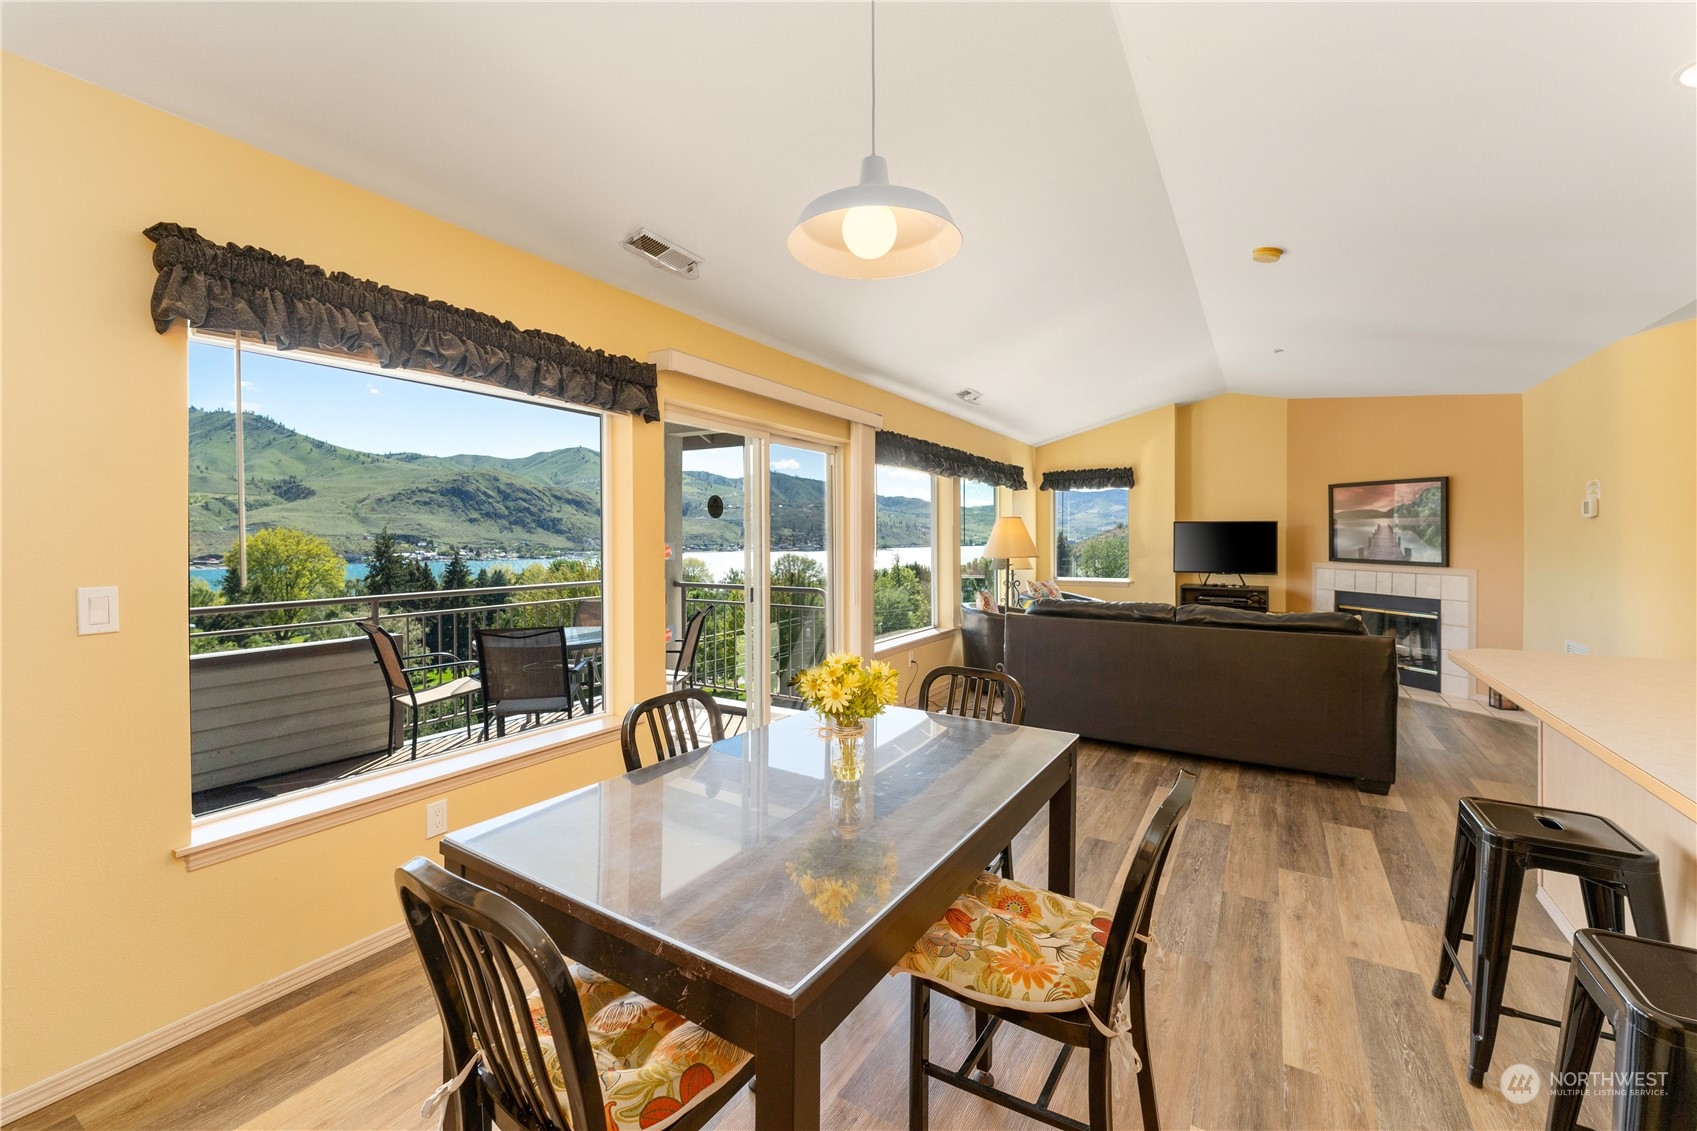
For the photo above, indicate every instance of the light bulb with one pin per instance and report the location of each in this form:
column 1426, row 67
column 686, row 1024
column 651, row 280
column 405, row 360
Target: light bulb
column 1688, row 77
column 869, row 230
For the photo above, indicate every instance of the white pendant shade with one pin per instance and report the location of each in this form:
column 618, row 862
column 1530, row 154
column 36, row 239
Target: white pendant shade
column 874, row 230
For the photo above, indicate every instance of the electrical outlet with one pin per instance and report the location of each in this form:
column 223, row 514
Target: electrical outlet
column 436, row 818
column 912, row 660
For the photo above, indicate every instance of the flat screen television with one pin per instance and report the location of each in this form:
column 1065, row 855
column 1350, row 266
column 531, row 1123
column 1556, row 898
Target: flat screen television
column 1225, row 547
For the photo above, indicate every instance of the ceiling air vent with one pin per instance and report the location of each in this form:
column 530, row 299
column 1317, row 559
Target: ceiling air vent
column 970, row 396
column 662, row 252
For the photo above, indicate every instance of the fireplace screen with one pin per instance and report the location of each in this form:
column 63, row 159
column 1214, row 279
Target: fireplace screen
column 1413, row 621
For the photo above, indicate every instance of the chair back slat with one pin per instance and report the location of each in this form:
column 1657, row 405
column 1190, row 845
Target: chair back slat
column 1123, row 954
column 975, row 693
column 389, row 661
column 468, row 938
column 677, row 722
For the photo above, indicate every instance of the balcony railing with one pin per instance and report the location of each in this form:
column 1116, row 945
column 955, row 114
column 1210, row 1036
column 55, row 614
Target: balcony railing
column 799, row 634
column 279, row 688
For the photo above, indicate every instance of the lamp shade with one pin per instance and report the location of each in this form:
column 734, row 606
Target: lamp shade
column 874, row 230
column 1010, row 539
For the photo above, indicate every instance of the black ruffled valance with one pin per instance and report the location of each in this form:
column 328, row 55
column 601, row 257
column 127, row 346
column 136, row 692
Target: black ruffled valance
column 896, row 450
column 289, row 304
column 1087, row 479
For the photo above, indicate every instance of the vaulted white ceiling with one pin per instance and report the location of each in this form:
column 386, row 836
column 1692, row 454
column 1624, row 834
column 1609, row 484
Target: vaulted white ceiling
column 1473, row 196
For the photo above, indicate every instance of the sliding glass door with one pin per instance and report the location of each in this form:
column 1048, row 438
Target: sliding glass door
column 750, row 560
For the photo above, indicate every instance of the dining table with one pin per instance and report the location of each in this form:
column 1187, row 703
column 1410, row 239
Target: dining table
column 764, row 885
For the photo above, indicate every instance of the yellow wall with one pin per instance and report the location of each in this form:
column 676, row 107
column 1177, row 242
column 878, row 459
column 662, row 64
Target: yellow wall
column 1473, row 440
column 1147, row 443
column 1623, row 583
column 105, row 936
column 1231, row 468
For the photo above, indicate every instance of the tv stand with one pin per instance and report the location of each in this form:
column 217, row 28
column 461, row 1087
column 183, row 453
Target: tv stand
column 1229, row 596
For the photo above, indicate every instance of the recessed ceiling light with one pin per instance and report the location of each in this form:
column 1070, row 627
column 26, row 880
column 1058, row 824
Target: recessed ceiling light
column 1267, row 254
column 1688, row 77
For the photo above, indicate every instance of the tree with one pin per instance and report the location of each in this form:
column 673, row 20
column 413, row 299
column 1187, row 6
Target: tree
column 286, row 565
column 458, row 574
column 1102, row 555
column 387, row 570
column 1063, row 556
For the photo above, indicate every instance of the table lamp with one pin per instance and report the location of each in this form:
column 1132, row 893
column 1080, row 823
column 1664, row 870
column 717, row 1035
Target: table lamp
column 1010, row 539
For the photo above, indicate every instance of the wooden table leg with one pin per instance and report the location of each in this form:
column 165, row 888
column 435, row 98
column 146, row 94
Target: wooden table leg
column 786, row 1072
column 1063, row 820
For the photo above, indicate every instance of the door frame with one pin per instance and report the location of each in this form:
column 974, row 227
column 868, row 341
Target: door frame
column 758, row 439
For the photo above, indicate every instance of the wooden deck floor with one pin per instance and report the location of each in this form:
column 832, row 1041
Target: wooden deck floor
column 1297, row 939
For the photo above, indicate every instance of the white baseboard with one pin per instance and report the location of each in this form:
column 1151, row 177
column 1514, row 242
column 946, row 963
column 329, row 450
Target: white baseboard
column 61, row 1084
column 1555, row 913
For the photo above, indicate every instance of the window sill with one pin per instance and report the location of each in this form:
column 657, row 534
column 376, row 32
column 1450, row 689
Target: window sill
column 1065, row 581
column 225, row 836
column 905, row 640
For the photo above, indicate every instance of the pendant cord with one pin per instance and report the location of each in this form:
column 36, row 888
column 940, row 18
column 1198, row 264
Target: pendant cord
column 874, row 6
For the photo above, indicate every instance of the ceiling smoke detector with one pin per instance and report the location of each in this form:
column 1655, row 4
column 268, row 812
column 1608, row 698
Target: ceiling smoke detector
column 662, row 252
column 970, row 396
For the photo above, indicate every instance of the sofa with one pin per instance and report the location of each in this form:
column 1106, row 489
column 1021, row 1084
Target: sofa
column 1311, row 692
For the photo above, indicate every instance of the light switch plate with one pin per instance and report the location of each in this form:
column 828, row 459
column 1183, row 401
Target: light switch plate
column 97, row 609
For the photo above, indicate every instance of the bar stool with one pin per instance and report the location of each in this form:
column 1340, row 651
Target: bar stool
column 1495, row 843
column 1648, row 992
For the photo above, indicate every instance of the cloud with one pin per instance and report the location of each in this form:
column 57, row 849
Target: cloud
column 247, row 384
column 373, row 390
column 786, row 465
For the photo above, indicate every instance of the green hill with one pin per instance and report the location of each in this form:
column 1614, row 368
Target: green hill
column 532, row 506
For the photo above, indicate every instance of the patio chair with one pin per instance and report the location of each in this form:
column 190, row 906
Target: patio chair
column 525, row 672
column 399, row 677
column 683, row 674
column 587, row 672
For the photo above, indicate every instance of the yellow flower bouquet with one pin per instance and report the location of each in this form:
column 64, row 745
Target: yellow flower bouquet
column 845, row 690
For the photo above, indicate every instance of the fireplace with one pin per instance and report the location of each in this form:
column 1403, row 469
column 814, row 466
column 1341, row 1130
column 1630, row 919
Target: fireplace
column 1415, row 622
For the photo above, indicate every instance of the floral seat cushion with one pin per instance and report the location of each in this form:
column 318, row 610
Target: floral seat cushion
column 1005, row 943
column 652, row 1063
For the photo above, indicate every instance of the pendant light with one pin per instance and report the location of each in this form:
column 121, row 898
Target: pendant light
column 874, row 230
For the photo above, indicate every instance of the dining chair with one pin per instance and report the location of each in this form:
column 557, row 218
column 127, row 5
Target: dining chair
column 975, row 693
column 1079, row 979
column 546, row 1045
column 676, row 723
column 403, row 695
column 525, row 672
column 978, row 693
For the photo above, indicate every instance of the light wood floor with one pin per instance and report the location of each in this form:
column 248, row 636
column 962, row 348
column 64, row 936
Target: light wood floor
column 1290, row 989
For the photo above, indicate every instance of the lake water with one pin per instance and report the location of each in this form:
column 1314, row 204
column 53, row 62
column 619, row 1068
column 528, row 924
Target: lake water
column 721, row 562
column 214, row 575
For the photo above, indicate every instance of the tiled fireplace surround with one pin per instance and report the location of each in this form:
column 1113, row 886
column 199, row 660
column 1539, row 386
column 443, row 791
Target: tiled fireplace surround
column 1454, row 589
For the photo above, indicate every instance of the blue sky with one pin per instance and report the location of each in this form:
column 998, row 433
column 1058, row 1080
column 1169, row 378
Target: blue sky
column 380, row 413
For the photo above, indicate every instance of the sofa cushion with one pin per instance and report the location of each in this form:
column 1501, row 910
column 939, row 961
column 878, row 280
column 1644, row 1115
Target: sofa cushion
column 1103, row 610
column 1345, row 623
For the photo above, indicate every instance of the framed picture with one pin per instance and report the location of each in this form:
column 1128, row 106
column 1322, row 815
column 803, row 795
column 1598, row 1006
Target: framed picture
column 1391, row 520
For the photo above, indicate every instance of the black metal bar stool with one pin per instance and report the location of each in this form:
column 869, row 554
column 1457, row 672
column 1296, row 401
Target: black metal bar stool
column 1495, row 843
column 1648, row 992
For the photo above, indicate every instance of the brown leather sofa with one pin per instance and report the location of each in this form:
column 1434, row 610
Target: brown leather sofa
column 1311, row 692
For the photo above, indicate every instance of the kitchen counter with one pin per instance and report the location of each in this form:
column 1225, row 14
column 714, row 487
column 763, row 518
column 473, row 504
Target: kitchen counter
column 1617, row 736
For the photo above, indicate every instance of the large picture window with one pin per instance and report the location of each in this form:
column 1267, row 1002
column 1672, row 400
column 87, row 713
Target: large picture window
column 350, row 494
column 905, row 569
column 1091, row 535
